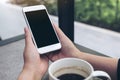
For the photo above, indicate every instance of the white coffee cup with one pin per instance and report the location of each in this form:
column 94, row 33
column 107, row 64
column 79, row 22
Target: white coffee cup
column 75, row 66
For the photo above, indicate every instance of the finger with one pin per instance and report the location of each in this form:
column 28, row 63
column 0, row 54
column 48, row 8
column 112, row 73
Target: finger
column 54, row 56
column 44, row 57
column 28, row 39
column 60, row 33
column 58, row 30
column 51, row 57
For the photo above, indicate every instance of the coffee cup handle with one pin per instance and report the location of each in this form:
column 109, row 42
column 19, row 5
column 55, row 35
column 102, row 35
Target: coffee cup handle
column 100, row 75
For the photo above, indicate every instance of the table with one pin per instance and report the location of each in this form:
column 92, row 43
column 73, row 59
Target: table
column 11, row 59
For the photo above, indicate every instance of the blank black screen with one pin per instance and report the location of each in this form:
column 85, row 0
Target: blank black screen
column 41, row 27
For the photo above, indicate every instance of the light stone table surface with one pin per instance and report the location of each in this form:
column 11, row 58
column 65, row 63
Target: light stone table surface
column 11, row 59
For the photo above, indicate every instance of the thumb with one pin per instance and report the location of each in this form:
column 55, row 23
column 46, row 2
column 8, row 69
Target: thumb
column 28, row 39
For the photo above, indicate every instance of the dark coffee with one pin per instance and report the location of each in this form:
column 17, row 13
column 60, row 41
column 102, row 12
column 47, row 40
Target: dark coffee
column 71, row 76
column 100, row 78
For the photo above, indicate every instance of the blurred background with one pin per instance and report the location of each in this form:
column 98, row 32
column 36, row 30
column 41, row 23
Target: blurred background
column 96, row 29
column 98, row 20
column 101, row 13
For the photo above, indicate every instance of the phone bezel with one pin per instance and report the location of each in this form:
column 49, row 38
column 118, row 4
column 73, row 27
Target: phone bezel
column 45, row 49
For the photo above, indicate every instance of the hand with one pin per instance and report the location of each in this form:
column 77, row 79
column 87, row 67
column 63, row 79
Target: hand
column 35, row 65
column 68, row 49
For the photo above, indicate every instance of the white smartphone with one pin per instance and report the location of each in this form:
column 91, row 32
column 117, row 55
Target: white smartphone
column 43, row 33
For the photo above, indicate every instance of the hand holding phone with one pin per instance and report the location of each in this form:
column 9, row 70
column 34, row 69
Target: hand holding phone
column 43, row 33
